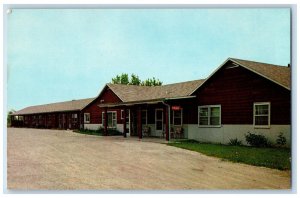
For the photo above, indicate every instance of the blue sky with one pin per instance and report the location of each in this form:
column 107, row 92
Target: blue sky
column 63, row 54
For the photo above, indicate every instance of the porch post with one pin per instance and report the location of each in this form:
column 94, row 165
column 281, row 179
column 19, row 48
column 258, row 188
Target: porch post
column 167, row 123
column 105, row 121
column 139, row 127
column 124, row 121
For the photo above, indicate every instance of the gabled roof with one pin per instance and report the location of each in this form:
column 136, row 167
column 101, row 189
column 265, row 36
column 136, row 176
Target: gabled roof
column 280, row 75
column 131, row 93
column 73, row 105
column 276, row 73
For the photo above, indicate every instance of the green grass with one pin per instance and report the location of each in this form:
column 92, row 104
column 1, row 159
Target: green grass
column 100, row 132
column 278, row 158
column 89, row 132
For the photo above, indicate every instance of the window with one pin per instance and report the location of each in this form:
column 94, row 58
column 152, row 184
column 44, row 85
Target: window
column 261, row 112
column 209, row 115
column 144, row 117
column 111, row 119
column 86, row 118
column 74, row 117
column 127, row 114
column 177, row 117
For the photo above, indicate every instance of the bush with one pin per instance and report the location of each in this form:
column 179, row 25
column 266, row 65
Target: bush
column 257, row 140
column 235, row 142
column 281, row 140
column 111, row 132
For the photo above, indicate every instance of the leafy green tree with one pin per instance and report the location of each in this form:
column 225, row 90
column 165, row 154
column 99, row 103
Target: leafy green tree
column 122, row 79
column 9, row 117
column 135, row 80
column 151, row 82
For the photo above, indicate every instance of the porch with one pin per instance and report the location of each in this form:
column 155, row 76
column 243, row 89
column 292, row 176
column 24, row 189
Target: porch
column 155, row 120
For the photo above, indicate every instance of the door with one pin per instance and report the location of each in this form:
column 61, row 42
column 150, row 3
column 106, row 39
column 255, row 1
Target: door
column 159, row 120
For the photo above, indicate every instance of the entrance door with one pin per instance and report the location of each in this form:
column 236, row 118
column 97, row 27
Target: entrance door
column 159, row 120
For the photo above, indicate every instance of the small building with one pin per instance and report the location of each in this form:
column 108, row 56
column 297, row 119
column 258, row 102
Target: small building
column 61, row 115
column 238, row 97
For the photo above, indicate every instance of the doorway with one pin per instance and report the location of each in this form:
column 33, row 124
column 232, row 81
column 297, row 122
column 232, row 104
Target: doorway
column 159, row 120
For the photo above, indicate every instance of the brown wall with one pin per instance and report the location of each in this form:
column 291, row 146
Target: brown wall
column 236, row 90
column 96, row 112
column 51, row 120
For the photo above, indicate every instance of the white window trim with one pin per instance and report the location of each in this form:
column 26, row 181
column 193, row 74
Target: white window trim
column 180, row 117
column 210, row 126
column 269, row 115
column 107, row 123
column 84, row 117
column 122, row 114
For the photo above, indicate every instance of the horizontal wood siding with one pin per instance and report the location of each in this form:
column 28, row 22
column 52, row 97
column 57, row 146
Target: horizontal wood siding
column 95, row 111
column 51, row 120
column 236, row 89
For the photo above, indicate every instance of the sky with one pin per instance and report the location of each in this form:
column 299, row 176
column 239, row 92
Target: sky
column 57, row 55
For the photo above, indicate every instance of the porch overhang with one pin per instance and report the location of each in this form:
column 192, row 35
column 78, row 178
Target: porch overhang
column 130, row 103
column 141, row 102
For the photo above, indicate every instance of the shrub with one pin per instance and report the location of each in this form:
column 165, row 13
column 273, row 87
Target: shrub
column 281, row 140
column 257, row 140
column 111, row 132
column 235, row 142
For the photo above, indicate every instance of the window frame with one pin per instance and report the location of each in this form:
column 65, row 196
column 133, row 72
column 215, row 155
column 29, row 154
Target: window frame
column 269, row 115
column 181, row 112
column 209, row 116
column 116, row 118
column 84, row 120
column 122, row 114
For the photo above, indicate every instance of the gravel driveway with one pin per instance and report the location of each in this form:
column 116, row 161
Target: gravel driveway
column 54, row 159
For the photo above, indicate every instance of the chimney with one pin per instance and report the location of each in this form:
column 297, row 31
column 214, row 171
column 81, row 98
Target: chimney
column 289, row 65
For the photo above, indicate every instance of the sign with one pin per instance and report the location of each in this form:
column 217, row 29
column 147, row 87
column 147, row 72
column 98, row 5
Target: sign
column 176, row 108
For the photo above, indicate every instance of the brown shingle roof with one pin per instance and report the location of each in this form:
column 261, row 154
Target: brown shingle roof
column 130, row 93
column 73, row 105
column 279, row 74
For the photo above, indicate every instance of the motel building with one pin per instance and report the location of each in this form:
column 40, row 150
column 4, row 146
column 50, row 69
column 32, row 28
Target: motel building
column 240, row 96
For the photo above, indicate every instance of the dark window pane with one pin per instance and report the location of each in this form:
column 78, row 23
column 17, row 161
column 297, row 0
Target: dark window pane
column 215, row 111
column 203, row 112
column 203, row 121
column 159, row 125
column 177, row 121
column 261, row 109
column 215, row 121
column 261, row 120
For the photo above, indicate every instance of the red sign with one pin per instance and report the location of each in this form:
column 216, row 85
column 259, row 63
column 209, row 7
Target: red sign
column 176, row 108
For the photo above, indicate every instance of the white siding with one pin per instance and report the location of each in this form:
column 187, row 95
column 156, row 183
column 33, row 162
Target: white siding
column 224, row 133
column 92, row 126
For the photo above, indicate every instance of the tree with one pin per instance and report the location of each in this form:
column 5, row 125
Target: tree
column 123, row 79
column 152, row 82
column 135, row 80
column 9, row 116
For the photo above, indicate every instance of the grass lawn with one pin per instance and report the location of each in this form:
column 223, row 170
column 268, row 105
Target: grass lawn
column 278, row 158
column 100, row 132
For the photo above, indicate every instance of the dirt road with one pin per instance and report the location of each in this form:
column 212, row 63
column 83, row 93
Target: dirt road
column 53, row 159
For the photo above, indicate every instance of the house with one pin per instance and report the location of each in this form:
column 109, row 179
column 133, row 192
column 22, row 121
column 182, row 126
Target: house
column 61, row 115
column 238, row 97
